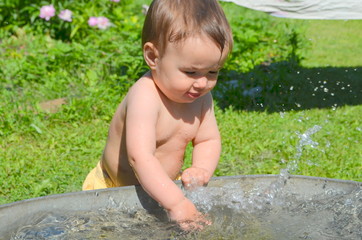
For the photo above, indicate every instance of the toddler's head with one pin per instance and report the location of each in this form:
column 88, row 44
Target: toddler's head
column 176, row 20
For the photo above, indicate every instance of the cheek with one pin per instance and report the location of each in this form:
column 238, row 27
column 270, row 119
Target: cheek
column 212, row 84
column 177, row 80
column 168, row 72
column 170, row 81
column 181, row 83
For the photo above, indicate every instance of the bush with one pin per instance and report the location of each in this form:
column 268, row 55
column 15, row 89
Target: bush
column 44, row 60
column 121, row 15
column 266, row 51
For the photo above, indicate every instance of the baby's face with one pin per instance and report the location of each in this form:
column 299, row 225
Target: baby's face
column 189, row 70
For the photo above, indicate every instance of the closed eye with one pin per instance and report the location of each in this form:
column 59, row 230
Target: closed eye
column 190, row 73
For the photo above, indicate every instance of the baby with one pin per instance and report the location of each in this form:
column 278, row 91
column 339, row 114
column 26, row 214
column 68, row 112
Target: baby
column 185, row 43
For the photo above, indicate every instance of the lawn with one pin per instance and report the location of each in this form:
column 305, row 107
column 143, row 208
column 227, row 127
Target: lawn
column 334, row 43
column 280, row 103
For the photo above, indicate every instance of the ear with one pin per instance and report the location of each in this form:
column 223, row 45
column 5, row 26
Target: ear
column 151, row 55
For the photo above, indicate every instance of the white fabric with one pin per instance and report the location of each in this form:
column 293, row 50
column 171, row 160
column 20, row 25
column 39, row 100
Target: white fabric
column 306, row 9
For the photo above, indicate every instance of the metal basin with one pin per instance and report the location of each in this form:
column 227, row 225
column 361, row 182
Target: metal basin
column 19, row 214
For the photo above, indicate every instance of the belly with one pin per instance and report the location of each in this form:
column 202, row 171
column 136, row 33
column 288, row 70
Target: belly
column 171, row 162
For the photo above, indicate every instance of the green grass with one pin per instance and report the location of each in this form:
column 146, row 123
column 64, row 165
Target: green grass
column 264, row 143
column 45, row 153
column 335, row 43
column 51, row 162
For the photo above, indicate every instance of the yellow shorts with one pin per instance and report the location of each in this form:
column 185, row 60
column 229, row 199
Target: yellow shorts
column 97, row 179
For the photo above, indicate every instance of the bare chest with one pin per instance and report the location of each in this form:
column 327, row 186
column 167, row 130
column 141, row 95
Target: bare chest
column 175, row 131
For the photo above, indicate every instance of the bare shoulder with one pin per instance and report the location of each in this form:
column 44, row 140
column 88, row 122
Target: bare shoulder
column 141, row 102
column 143, row 86
column 143, row 96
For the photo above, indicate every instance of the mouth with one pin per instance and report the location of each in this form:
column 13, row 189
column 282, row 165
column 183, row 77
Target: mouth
column 193, row 95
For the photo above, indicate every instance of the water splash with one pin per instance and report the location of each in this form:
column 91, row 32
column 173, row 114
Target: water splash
column 272, row 192
column 241, row 213
column 304, row 140
column 238, row 210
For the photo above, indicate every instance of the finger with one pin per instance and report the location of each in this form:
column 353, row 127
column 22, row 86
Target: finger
column 191, row 186
column 190, row 226
column 189, row 182
column 204, row 219
column 186, row 178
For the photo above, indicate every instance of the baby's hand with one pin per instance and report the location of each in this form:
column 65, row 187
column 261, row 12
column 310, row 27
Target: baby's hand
column 187, row 216
column 194, row 177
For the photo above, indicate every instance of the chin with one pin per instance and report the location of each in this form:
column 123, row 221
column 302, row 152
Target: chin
column 188, row 100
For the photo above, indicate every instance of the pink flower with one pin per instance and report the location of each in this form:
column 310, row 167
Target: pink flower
column 93, row 21
column 47, row 12
column 103, row 23
column 115, row 0
column 100, row 22
column 66, row 15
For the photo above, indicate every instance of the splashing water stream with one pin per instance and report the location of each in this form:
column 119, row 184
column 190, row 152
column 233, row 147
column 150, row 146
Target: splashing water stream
column 304, row 140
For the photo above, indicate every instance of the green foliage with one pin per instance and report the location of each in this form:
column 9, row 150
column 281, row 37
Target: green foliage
column 123, row 16
column 39, row 68
column 265, row 72
column 267, row 51
column 260, row 38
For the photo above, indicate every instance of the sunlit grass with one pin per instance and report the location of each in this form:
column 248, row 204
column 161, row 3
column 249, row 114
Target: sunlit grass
column 334, row 43
column 262, row 143
column 54, row 161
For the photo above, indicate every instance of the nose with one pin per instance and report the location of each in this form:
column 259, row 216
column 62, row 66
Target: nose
column 201, row 82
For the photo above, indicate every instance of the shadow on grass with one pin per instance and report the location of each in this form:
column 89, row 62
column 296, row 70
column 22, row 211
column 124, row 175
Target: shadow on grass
column 285, row 86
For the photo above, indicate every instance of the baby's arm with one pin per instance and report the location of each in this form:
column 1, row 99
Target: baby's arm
column 141, row 119
column 207, row 148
